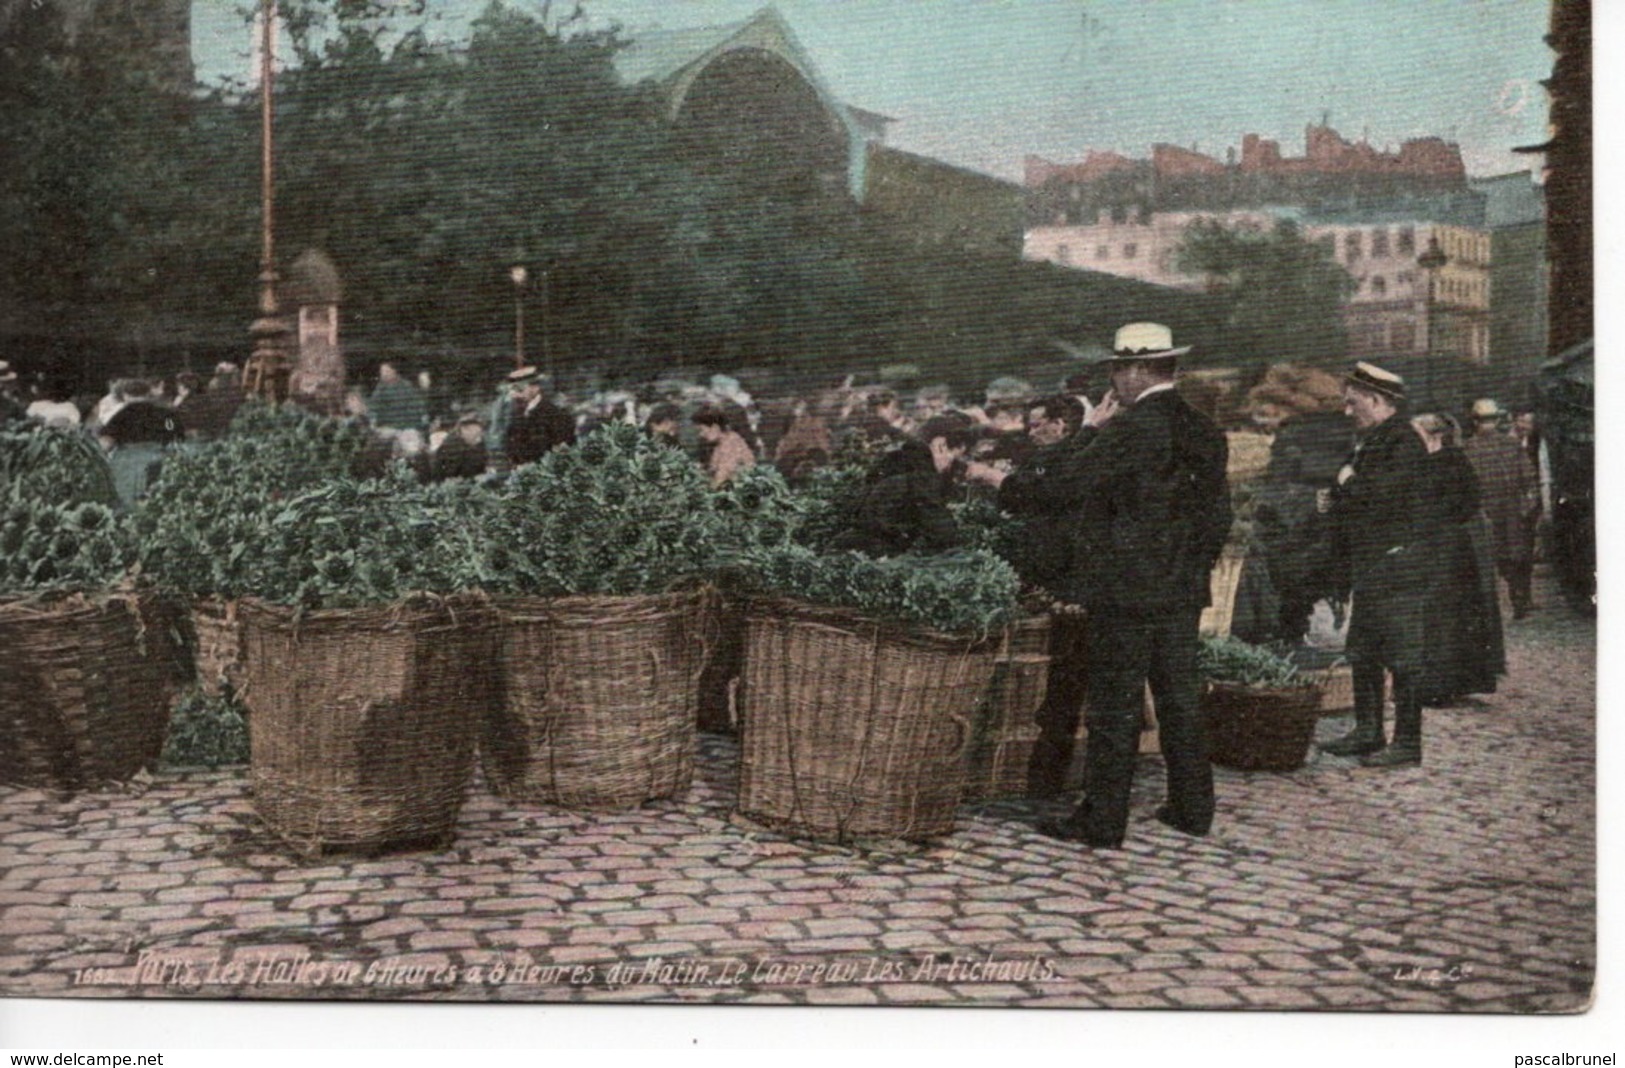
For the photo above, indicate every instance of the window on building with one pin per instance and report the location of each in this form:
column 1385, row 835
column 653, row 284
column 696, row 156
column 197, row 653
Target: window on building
column 1102, row 252
column 1379, row 243
column 1407, row 240
column 1063, row 253
column 1379, row 286
column 1351, row 246
column 1130, row 250
column 1402, row 337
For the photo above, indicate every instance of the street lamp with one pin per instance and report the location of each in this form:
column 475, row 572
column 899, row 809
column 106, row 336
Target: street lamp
column 519, row 276
column 266, row 372
column 1430, row 261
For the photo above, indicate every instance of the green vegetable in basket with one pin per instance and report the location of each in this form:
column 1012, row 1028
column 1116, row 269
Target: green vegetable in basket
column 350, row 544
column 967, row 592
column 1241, row 663
column 211, row 500
column 55, row 465
column 59, row 547
column 614, row 513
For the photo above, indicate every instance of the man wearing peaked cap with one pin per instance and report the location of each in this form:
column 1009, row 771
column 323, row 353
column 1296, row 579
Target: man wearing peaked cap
column 1379, row 515
column 1140, row 491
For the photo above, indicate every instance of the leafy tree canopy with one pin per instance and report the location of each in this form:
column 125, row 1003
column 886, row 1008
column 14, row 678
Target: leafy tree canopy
column 1283, row 292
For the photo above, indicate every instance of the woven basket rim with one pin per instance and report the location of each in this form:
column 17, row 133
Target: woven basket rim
column 1284, row 691
column 17, row 609
column 410, row 610
column 851, row 619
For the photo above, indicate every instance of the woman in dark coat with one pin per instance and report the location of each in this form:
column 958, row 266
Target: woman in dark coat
column 1465, row 652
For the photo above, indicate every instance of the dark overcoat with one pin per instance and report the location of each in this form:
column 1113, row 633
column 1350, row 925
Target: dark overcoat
column 1506, row 482
column 1146, row 504
column 903, row 509
column 1383, row 519
column 532, row 433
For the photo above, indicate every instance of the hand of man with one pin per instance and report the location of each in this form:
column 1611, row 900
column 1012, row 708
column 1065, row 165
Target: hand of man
column 976, row 471
column 1104, row 411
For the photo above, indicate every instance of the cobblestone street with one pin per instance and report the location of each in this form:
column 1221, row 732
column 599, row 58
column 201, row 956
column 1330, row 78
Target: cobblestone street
column 1466, row 885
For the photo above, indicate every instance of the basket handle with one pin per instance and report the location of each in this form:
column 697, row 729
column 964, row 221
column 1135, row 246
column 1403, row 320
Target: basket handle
column 962, row 746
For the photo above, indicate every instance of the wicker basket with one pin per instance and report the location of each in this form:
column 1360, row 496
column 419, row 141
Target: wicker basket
column 1336, row 689
column 598, row 698
column 1006, row 728
column 1223, row 584
column 851, row 727
column 85, row 691
column 362, row 721
column 217, row 644
column 1254, row 729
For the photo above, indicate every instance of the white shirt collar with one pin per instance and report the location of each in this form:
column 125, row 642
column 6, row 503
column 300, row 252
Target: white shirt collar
column 1160, row 387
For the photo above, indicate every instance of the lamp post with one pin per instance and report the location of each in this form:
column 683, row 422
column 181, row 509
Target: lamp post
column 519, row 276
column 1430, row 261
column 266, row 372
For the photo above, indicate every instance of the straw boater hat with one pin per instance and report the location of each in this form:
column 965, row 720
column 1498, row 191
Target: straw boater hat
column 1373, row 379
column 524, row 376
column 1485, row 408
column 6, row 373
column 1145, row 341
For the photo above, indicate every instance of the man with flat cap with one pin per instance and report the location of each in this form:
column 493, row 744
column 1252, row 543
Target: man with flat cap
column 1379, row 512
column 1142, row 486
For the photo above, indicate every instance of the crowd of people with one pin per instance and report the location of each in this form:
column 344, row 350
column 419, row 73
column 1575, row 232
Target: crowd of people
column 1398, row 529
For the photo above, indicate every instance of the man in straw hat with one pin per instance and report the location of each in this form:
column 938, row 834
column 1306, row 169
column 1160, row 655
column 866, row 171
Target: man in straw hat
column 536, row 425
column 1143, row 489
column 1379, row 510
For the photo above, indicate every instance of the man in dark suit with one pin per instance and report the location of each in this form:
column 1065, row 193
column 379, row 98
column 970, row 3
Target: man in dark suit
column 1380, row 511
column 536, row 424
column 1149, row 511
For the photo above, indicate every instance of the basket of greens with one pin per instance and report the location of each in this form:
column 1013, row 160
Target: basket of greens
column 209, row 504
column 363, row 668
column 860, row 680
column 1260, row 709
column 594, row 557
column 85, row 691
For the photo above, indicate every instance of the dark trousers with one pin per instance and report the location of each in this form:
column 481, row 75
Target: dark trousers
column 1387, row 631
column 1519, row 573
column 1127, row 650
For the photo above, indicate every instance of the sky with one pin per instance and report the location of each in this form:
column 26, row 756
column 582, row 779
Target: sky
column 984, row 83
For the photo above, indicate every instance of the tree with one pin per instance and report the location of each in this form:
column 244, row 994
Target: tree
column 1285, row 293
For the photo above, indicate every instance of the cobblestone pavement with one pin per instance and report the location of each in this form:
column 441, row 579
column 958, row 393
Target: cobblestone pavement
column 1467, row 885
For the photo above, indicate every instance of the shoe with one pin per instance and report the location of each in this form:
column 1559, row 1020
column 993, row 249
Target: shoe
column 1166, row 817
column 1068, row 831
column 1395, row 756
column 1356, row 742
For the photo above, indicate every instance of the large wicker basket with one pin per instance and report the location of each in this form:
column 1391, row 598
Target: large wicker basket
column 598, row 698
column 1006, row 726
column 84, row 692
column 1336, row 689
column 853, row 728
column 363, row 721
column 1254, row 729
column 217, row 643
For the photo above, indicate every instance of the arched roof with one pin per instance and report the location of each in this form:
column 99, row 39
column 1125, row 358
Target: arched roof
column 680, row 60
